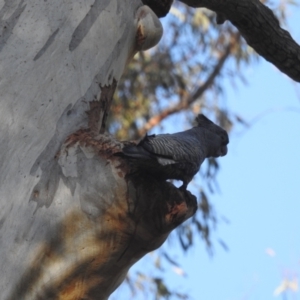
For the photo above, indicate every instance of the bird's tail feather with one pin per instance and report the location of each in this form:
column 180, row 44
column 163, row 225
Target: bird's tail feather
column 135, row 152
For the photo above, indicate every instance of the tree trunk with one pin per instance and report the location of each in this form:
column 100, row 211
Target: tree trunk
column 71, row 221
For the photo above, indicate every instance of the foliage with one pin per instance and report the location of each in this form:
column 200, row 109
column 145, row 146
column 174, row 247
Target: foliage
column 184, row 75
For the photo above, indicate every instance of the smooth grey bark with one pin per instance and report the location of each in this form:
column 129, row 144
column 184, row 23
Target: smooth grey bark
column 71, row 221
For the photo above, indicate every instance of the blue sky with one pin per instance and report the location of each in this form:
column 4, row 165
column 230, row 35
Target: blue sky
column 260, row 196
column 260, row 185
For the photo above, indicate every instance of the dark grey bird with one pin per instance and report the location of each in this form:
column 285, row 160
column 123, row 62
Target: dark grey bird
column 178, row 155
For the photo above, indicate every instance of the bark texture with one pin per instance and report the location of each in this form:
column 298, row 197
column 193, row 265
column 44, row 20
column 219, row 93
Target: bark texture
column 114, row 221
column 71, row 224
column 261, row 29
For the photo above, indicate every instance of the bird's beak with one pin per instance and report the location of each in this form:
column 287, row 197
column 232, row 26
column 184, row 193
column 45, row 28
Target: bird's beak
column 223, row 150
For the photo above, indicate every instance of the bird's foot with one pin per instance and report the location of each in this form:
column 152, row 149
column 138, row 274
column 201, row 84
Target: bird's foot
column 183, row 187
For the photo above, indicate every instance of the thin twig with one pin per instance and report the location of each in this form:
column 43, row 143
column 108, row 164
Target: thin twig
column 188, row 99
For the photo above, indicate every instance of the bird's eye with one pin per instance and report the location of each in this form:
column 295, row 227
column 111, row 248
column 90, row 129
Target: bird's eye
column 224, row 138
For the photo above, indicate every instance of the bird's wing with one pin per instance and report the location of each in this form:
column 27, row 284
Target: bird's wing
column 169, row 148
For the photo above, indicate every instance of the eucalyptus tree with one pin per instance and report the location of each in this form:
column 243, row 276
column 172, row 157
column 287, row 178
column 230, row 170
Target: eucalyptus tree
column 71, row 221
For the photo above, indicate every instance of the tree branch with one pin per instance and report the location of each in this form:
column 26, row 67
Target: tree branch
column 261, row 29
column 160, row 7
column 189, row 99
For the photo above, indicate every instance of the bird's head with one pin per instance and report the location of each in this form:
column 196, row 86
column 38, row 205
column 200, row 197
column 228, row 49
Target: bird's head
column 216, row 137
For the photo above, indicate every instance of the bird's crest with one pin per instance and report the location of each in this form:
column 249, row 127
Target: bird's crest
column 202, row 121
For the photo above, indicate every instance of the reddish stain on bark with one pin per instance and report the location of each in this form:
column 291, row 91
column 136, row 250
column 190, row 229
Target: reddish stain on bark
column 140, row 37
column 99, row 109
